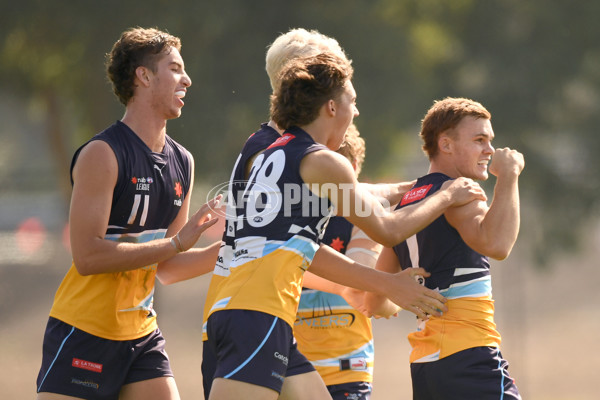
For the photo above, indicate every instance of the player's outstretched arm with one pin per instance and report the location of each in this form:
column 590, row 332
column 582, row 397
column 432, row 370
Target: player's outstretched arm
column 401, row 288
column 365, row 211
column 376, row 304
column 493, row 230
column 389, row 194
column 360, row 249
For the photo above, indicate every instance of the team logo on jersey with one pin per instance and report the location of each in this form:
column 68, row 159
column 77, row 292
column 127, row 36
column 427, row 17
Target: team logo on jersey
column 179, row 193
column 415, row 194
column 337, row 244
column 327, row 320
column 142, row 183
column 282, row 141
column 83, row 364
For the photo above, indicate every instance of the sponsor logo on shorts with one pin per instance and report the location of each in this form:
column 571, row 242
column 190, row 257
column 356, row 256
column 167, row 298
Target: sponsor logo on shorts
column 83, row 364
column 281, row 357
column 85, row 383
column 276, row 375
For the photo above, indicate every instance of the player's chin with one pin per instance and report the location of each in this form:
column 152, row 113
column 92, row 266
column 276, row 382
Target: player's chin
column 175, row 113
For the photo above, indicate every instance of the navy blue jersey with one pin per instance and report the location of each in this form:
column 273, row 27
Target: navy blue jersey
column 338, row 233
column 150, row 187
column 459, row 273
column 256, row 143
column 148, row 195
column 277, row 229
column 439, row 248
column 276, row 204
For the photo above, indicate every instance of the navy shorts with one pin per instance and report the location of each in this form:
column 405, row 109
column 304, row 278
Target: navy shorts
column 478, row 373
column 253, row 347
column 75, row 363
column 351, row 391
column 209, row 363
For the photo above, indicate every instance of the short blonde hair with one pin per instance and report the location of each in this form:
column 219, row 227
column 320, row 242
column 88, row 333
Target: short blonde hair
column 353, row 147
column 298, row 43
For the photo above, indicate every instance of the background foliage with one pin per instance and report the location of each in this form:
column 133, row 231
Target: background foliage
column 535, row 65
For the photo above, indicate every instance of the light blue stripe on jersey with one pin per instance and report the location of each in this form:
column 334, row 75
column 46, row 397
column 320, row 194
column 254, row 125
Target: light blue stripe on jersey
column 220, row 304
column 474, row 288
column 140, row 237
column 311, row 299
column 300, row 245
column 367, row 352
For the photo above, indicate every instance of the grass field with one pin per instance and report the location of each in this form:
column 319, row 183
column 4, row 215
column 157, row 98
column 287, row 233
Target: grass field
column 549, row 321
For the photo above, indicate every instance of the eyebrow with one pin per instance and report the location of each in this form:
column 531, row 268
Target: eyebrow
column 485, row 135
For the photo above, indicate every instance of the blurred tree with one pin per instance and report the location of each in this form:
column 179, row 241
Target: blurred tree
column 533, row 64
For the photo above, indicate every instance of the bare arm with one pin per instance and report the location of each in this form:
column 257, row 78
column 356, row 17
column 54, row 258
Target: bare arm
column 362, row 208
column 493, row 230
column 95, row 176
column 401, row 288
column 376, row 304
column 361, row 249
column 388, row 194
column 190, row 264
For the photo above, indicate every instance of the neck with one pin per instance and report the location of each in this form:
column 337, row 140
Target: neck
column 436, row 165
column 273, row 125
column 150, row 128
column 317, row 131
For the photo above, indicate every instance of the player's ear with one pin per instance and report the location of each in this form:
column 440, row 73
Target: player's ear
column 330, row 107
column 445, row 143
column 143, row 75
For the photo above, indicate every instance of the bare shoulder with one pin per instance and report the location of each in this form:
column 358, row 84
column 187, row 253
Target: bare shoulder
column 326, row 166
column 96, row 160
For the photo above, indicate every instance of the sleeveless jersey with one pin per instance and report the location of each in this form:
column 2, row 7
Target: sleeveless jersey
column 459, row 273
column 336, row 338
column 149, row 192
column 256, row 143
column 277, row 228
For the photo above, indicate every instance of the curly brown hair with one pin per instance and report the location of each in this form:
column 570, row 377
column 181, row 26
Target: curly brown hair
column 136, row 47
column 305, row 85
column 445, row 115
column 353, row 147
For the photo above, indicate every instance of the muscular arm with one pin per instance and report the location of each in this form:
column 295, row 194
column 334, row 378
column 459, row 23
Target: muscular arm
column 376, row 304
column 400, row 288
column 389, row 194
column 361, row 249
column 95, row 176
column 493, row 230
column 190, row 264
column 362, row 208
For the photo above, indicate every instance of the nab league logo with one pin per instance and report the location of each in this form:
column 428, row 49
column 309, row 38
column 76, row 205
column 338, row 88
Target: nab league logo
column 142, row 184
column 178, row 194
